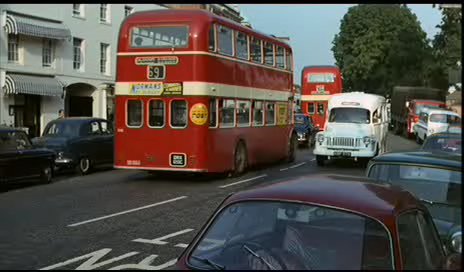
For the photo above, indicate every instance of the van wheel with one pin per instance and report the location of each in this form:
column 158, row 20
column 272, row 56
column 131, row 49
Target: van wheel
column 292, row 146
column 397, row 129
column 418, row 139
column 240, row 159
column 84, row 166
column 320, row 160
column 46, row 174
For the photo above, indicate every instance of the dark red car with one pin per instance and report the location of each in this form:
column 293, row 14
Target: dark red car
column 319, row 222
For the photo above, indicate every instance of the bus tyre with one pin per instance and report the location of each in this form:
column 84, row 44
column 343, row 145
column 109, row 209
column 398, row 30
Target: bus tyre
column 320, row 160
column 292, row 146
column 240, row 159
column 84, row 166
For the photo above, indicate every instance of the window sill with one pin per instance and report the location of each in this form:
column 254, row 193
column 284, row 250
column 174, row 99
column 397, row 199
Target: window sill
column 78, row 17
column 105, row 23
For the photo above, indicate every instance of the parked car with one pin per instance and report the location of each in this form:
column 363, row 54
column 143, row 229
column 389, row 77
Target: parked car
column 304, row 129
column 443, row 142
column 434, row 178
column 79, row 142
column 319, row 222
column 20, row 160
column 433, row 121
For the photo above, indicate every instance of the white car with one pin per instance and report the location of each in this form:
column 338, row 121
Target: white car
column 434, row 121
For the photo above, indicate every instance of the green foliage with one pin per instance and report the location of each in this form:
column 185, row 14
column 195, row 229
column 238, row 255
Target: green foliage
column 380, row 46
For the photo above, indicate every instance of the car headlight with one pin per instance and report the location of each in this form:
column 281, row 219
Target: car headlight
column 320, row 138
column 60, row 154
column 456, row 241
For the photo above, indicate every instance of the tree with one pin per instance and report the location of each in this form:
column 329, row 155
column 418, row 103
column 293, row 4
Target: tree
column 380, row 46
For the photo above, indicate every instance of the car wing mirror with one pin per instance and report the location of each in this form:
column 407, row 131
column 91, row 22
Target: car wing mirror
column 453, row 262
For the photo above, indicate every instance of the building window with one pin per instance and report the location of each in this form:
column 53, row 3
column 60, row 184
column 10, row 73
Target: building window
column 48, row 55
column 179, row 114
column 78, row 10
column 104, row 13
column 156, row 113
column 104, row 52
column 225, row 43
column 256, row 51
column 242, row 45
column 258, row 113
column 128, row 10
column 269, row 54
column 13, row 53
column 78, row 58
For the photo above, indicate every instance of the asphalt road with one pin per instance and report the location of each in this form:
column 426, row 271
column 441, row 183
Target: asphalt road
column 122, row 219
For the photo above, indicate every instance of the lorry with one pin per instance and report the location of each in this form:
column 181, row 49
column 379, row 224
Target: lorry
column 406, row 104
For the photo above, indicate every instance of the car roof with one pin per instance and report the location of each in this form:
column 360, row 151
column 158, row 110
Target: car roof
column 355, row 194
column 421, row 158
column 10, row 129
column 444, row 135
column 439, row 111
column 428, row 101
column 78, row 119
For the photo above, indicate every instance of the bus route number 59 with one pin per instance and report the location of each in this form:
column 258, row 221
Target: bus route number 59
column 156, row 72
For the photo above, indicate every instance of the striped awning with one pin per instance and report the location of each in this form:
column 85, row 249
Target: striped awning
column 20, row 24
column 29, row 84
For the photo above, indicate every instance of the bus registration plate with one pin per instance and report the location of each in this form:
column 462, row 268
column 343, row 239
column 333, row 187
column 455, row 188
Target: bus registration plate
column 178, row 160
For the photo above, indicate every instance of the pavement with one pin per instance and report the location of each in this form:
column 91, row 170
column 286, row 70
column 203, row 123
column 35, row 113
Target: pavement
column 128, row 219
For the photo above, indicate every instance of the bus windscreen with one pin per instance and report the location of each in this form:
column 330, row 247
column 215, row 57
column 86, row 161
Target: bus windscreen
column 159, row 37
column 321, row 78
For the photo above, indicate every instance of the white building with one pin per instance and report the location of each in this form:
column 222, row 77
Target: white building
column 58, row 56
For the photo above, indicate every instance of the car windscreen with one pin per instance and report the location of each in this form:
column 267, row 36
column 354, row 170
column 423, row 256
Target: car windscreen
column 349, row 115
column 14, row 140
column 448, row 144
column 291, row 236
column 420, row 108
column 159, row 36
column 444, row 118
column 439, row 188
column 62, row 129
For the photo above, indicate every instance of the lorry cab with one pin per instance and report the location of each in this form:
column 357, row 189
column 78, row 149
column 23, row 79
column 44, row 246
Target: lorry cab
column 416, row 106
column 434, row 121
column 357, row 128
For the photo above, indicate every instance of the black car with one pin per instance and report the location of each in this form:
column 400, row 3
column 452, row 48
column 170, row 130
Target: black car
column 305, row 129
column 79, row 142
column 443, row 142
column 20, row 160
column 435, row 178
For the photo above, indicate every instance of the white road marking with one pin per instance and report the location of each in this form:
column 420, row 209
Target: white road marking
column 284, row 169
column 242, row 181
column 159, row 241
column 297, row 165
column 182, row 245
column 128, row 211
column 93, row 258
column 313, row 159
column 145, row 264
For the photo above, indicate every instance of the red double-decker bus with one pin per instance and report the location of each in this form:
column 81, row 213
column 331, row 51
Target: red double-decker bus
column 317, row 84
column 198, row 92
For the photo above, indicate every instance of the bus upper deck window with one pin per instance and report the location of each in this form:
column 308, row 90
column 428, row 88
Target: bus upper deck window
column 225, row 41
column 134, row 113
column 256, row 50
column 178, row 113
column 269, row 53
column 156, row 113
column 212, row 38
column 160, row 37
column 280, row 58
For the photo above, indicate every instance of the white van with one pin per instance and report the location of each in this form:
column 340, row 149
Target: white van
column 357, row 127
column 434, row 121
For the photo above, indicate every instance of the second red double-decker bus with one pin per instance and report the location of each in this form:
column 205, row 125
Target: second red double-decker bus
column 198, row 92
column 317, row 84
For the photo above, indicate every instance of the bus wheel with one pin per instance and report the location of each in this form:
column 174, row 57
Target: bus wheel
column 240, row 160
column 292, row 148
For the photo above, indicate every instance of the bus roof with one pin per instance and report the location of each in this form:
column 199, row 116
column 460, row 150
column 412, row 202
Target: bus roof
column 195, row 16
column 356, row 99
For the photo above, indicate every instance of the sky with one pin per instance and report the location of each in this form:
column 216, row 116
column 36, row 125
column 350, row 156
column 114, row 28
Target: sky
column 311, row 28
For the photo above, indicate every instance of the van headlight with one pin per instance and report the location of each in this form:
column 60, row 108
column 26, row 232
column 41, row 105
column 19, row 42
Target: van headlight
column 320, row 138
column 456, row 241
column 367, row 140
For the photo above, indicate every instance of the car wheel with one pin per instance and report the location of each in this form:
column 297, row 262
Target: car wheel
column 292, row 145
column 240, row 159
column 320, row 160
column 84, row 166
column 46, row 175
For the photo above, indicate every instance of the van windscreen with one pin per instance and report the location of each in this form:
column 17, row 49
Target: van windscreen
column 349, row 115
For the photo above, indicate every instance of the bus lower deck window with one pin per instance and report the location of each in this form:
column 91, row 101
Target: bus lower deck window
column 258, row 113
column 228, row 113
column 156, row 113
column 270, row 113
column 320, row 108
column 134, row 113
column 179, row 113
column 213, row 112
column 311, row 108
column 243, row 113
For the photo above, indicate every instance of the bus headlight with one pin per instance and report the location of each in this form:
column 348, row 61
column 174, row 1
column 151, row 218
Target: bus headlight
column 320, row 138
column 456, row 241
